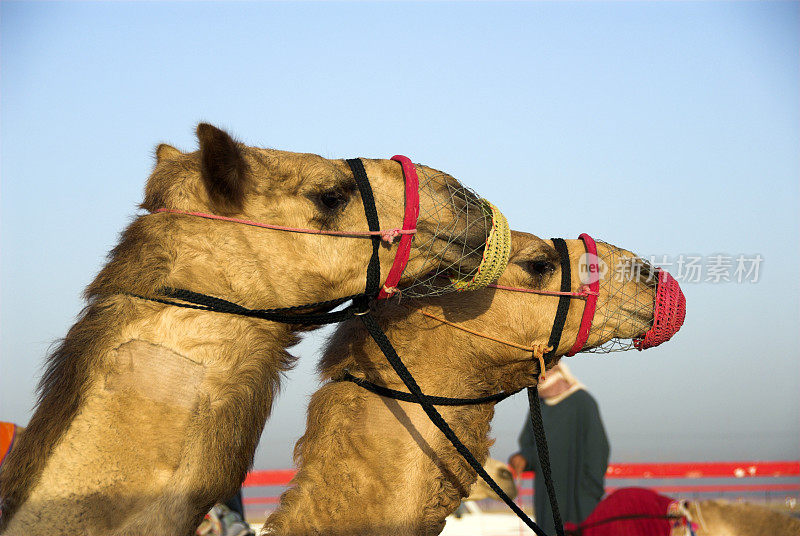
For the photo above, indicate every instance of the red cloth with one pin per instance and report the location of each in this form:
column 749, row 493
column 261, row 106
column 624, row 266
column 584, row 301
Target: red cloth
column 7, row 434
column 622, row 503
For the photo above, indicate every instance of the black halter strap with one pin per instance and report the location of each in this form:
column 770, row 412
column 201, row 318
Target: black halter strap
column 374, row 266
column 563, row 301
column 427, row 402
column 402, row 371
column 533, row 394
column 408, row 397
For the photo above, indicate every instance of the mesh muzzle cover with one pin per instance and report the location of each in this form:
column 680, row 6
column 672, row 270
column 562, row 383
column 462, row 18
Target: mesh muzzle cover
column 454, row 214
column 670, row 311
column 656, row 295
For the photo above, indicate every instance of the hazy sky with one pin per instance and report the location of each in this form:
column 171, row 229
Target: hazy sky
column 667, row 128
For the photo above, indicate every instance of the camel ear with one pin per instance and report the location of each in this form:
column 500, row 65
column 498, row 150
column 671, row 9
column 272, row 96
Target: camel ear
column 224, row 169
column 167, row 152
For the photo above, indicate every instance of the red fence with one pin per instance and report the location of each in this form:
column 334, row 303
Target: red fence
column 630, row 471
column 703, row 469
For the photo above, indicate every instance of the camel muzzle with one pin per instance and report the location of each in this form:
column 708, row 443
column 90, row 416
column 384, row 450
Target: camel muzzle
column 635, row 298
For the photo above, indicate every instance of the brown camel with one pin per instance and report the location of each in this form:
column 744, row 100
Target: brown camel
column 500, row 473
column 723, row 518
column 373, row 465
column 149, row 413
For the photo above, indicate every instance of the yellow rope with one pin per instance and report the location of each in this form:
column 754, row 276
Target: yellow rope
column 495, row 253
column 538, row 350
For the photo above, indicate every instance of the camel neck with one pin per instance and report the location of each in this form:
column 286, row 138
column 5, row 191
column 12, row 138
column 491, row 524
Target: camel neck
column 363, row 455
column 190, row 374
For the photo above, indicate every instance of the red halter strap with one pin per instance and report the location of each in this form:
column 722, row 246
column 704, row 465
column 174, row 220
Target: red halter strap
column 387, row 235
column 582, row 293
column 409, row 227
column 591, row 299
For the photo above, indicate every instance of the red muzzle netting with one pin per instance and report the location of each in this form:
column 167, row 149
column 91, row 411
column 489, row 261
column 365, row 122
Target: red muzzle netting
column 634, row 512
column 670, row 311
column 651, row 311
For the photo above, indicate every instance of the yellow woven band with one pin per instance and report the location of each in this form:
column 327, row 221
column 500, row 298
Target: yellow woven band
column 495, row 254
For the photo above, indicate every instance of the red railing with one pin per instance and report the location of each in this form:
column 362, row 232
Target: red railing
column 633, row 471
column 704, row 469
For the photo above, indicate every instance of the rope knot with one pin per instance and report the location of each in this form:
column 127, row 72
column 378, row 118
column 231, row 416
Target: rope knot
column 389, row 235
column 390, row 291
column 538, row 352
column 585, row 291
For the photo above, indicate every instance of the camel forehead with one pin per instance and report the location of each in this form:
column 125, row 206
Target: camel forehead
column 292, row 169
column 290, row 161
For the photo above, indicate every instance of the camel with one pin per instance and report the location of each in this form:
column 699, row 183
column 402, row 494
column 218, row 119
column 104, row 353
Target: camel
column 724, row 518
column 500, row 473
column 150, row 413
column 374, row 465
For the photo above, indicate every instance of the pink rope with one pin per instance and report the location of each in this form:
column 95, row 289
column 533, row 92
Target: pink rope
column 582, row 293
column 387, row 235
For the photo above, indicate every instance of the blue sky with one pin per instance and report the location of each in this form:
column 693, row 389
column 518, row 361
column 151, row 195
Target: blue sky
column 666, row 128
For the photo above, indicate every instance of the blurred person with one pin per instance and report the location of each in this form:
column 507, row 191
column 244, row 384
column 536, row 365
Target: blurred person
column 578, row 449
column 222, row 520
column 226, row 519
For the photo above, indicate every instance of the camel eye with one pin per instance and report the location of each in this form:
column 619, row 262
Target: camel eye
column 541, row 267
column 332, row 199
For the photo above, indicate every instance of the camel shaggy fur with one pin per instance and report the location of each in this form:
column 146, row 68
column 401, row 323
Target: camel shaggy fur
column 373, row 465
column 148, row 413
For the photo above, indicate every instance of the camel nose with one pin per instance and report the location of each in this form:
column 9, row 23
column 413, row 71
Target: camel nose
column 668, row 315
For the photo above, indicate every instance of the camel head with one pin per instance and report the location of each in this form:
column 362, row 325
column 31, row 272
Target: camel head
column 297, row 190
column 500, row 473
column 627, row 302
column 634, row 303
column 625, row 311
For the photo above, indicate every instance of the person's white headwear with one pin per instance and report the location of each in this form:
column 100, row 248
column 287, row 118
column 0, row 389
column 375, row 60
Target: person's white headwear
column 559, row 372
